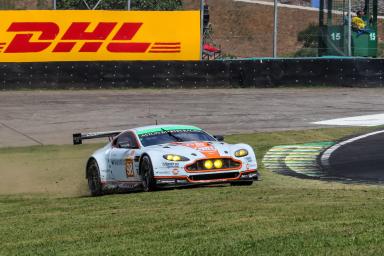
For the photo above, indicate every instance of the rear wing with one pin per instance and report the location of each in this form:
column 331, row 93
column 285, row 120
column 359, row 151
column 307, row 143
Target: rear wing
column 79, row 137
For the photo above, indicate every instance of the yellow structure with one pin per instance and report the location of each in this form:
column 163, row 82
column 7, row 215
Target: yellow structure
column 39, row 36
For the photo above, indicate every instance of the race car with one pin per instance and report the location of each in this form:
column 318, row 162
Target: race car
column 152, row 157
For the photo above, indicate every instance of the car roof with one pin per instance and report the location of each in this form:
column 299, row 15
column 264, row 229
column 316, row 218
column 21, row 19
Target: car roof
column 159, row 128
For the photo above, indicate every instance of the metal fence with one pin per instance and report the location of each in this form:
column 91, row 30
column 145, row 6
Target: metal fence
column 247, row 28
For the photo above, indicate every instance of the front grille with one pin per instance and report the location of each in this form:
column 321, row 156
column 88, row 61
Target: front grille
column 228, row 163
column 214, row 176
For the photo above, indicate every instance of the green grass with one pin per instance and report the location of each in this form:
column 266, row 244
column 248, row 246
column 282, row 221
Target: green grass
column 279, row 215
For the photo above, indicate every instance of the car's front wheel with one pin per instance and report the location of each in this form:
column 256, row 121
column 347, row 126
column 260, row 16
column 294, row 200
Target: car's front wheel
column 93, row 176
column 146, row 170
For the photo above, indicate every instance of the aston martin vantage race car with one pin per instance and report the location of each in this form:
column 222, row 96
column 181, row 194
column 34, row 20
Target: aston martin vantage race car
column 151, row 157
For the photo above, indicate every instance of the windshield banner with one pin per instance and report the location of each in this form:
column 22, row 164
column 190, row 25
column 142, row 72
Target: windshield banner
column 39, row 36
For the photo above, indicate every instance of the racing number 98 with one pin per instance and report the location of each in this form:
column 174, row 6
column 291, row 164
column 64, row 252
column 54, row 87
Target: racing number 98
column 129, row 167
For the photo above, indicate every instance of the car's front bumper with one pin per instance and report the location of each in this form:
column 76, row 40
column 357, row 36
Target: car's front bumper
column 203, row 179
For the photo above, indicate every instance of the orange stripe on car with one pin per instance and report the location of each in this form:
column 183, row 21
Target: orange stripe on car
column 206, row 148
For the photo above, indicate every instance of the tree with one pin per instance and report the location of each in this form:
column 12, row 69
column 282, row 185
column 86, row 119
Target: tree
column 309, row 38
column 161, row 5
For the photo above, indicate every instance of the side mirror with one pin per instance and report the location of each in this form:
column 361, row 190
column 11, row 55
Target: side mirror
column 219, row 137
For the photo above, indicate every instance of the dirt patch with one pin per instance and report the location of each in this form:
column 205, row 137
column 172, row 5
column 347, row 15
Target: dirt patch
column 48, row 170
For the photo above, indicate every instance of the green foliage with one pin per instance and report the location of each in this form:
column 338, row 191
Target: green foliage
column 7, row 5
column 163, row 5
column 309, row 38
column 42, row 4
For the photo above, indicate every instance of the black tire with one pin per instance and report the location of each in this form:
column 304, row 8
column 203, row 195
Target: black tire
column 93, row 176
column 242, row 183
column 146, row 170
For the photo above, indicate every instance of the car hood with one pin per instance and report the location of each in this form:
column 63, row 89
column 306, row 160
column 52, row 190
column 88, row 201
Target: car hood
column 196, row 149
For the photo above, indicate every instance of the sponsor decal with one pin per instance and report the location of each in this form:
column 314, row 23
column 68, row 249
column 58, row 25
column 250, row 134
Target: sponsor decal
column 117, row 162
column 98, row 35
column 171, row 165
column 175, row 171
column 249, row 159
column 129, row 168
column 128, row 185
column 110, row 186
column 203, row 147
column 177, row 128
column 162, row 173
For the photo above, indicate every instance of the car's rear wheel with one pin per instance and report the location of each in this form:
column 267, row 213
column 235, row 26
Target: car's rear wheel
column 242, row 183
column 146, row 170
column 93, row 176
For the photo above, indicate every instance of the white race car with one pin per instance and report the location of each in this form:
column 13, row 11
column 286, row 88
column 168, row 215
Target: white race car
column 151, row 157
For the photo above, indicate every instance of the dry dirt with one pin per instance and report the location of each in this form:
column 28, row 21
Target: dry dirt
column 50, row 170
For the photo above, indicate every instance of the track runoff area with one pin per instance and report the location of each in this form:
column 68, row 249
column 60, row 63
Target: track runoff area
column 355, row 159
column 28, row 121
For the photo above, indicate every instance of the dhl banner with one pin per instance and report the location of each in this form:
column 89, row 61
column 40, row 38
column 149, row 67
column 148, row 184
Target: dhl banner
column 39, row 36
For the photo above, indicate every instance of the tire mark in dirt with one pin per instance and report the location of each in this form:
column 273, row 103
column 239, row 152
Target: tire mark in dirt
column 21, row 133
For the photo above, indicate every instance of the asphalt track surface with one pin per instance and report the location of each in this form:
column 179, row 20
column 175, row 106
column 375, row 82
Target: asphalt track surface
column 50, row 117
column 360, row 160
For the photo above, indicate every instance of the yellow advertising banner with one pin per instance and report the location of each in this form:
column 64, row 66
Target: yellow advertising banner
column 39, row 36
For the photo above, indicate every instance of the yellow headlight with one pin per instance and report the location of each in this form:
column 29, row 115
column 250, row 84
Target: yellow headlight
column 176, row 158
column 218, row 164
column 208, row 164
column 241, row 152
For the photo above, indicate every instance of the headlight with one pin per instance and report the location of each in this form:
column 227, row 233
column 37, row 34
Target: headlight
column 208, row 164
column 218, row 163
column 241, row 153
column 176, row 158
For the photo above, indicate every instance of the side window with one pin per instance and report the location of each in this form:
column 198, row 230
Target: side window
column 126, row 140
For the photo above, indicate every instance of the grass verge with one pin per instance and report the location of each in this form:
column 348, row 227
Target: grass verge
column 279, row 215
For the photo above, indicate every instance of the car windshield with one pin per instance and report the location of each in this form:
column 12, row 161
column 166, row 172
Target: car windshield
column 173, row 136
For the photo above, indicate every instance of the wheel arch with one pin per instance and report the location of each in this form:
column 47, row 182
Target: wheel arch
column 90, row 160
column 155, row 156
column 141, row 160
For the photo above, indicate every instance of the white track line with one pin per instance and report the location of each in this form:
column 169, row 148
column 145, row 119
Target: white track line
column 290, row 6
column 366, row 120
column 327, row 153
